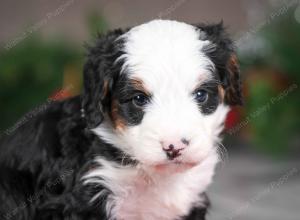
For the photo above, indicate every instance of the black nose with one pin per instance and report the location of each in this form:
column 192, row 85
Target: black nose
column 172, row 152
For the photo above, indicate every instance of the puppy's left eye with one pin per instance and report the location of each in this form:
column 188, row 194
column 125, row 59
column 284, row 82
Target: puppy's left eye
column 201, row 96
column 140, row 100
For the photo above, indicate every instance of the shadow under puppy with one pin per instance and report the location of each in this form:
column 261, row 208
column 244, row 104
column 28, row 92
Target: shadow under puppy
column 140, row 142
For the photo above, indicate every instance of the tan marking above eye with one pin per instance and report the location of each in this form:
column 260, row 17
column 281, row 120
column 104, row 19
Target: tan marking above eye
column 118, row 122
column 139, row 85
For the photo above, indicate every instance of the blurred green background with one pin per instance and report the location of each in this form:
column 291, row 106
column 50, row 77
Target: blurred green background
column 37, row 70
column 271, row 77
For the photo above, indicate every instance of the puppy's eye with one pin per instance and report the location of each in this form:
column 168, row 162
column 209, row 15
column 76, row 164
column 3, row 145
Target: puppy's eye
column 201, row 96
column 140, row 100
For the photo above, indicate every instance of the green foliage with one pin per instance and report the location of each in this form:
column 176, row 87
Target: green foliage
column 33, row 70
column 276, row 128
column 273, row 116
column 29, row 73
column 284, row 37
column 96, row 23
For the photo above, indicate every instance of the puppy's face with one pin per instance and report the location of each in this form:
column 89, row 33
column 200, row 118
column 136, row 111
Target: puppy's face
column 171, row 87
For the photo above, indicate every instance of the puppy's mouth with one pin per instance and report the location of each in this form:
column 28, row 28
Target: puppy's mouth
column 174, row 167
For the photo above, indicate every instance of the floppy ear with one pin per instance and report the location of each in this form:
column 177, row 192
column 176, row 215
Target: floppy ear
column 100, row 73
column 233, row 90
column 222, row 52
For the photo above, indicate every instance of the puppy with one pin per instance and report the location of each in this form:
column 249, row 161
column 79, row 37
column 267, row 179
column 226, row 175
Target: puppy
column 140, row 142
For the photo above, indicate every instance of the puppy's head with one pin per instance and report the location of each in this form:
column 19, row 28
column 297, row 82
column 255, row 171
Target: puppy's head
column 160, row 91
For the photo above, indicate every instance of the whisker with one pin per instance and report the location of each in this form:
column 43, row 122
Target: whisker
column 223, row 153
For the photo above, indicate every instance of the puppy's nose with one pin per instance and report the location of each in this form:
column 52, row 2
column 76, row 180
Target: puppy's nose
column 173, row 149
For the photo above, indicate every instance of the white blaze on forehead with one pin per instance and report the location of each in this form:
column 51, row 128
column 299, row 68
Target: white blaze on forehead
column 166, row 52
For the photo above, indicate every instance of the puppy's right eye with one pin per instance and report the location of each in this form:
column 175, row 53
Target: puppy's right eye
column 140, row 100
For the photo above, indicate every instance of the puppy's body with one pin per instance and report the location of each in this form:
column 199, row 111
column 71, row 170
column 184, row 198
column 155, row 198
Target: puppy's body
column 41, row 170
column 140, row 143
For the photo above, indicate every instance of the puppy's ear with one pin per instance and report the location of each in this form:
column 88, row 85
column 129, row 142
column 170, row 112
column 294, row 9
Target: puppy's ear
column 222, row 53
column 100, row 73
column 232, row 84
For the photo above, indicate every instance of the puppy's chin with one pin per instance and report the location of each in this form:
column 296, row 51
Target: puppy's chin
column 170, row 167
column 175, row 167
column 178, row 165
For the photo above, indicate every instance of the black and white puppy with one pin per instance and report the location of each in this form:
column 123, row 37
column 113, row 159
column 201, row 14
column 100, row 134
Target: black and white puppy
column 140, row 142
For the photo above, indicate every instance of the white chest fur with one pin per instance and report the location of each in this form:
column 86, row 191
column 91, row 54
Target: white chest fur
column 146, row 195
